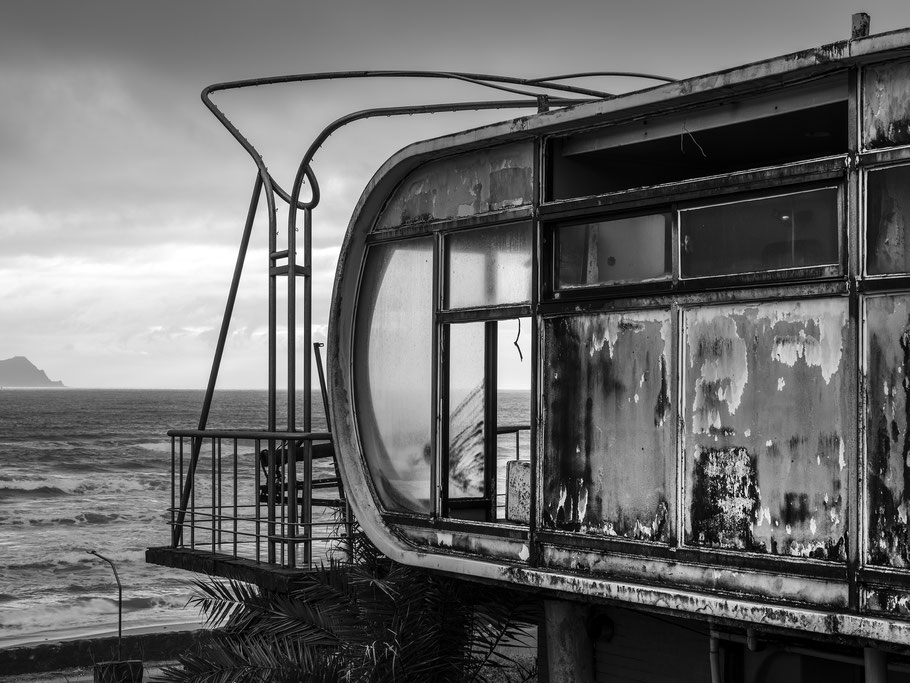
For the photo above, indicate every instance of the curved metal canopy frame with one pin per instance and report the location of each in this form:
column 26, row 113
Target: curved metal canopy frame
column 541, row 93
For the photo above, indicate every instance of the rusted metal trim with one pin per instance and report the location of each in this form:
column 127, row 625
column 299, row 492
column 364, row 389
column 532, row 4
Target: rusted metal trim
column 885, row 157
column 623, row 290
column 881, row 284
column 708, row 187
column 478, row 314
column 828, row 271
column 743, row 293
column 401, row 522
column 484, row 220
column 884, row 577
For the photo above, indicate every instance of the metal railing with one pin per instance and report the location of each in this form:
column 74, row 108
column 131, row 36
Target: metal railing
column 245, row 499
column 504, row 454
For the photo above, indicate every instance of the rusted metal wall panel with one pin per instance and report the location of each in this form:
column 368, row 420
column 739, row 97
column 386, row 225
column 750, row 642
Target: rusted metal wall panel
column 465, row 185
column 886, row 105
column 768, row 584
column 609, row 427
column 887, row 437
column 767, row 415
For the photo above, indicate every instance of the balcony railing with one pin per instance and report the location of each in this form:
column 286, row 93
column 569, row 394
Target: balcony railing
column 270, row 497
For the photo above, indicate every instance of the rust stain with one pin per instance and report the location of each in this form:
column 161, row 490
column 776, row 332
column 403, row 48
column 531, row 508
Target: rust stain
column 888, row 450
column 886, row 107
column 768, row 401
column 725, row 498
column 464, row 185
column 609, row 430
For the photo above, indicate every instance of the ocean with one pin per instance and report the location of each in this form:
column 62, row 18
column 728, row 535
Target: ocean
column 85, row 469
column 89, row 469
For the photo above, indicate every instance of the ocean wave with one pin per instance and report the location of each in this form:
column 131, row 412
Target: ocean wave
column 32, row 492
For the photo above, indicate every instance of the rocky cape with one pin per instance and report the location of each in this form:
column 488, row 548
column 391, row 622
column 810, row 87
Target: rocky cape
column 20, row 372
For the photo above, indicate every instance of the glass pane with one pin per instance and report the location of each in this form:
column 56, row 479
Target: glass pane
column 466, row 410
column 489, row 267
column 788, row 231
column 622, row 250
column 393, row 349
column 609, row 435
column 887, row 213
column 887, row 440
column 767, row 427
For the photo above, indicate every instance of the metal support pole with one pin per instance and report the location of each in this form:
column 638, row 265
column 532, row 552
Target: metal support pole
column 177, row 535
column 876, row 665
column 307, row 506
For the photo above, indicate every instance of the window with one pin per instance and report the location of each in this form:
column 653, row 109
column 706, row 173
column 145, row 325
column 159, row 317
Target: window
column 809, row 121
column 887, row 213
column 486, row 399
column 797, row 230
column 393, row 355
column 485, row 371
column 614, row 251
column 489, row 267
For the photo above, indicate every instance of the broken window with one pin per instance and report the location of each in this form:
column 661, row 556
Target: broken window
column 887, row 433
column 486, row 398
column 887, row 213
column 489, row 267
column 767, row 415
column 809, row 121
column 796, row 230
column 393, row 359
column 628, row 249
column 609, row 458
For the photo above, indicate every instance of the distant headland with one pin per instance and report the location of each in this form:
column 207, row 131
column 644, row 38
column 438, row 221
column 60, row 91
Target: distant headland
column 20, row 372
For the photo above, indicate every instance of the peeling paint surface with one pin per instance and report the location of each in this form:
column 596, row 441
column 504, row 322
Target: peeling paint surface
column 767, row 402
column 607, row 455
column 887, row 438
column 465, row 185
column 518, row 491
column 886, row 106
column 889, row 600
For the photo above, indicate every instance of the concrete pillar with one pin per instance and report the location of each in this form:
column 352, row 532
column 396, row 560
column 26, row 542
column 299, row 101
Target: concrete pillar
column 876, row 665
column 569, row 648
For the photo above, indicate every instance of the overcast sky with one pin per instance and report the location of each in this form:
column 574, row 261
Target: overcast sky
column 122, row 199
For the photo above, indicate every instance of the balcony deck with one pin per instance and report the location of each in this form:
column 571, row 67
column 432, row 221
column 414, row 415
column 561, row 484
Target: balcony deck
column 256, row 506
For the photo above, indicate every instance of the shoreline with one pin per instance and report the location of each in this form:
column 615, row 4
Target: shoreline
column 63, row 635
column 36, row 660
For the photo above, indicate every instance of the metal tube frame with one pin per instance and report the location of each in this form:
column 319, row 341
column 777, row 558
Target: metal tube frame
column 264, row 183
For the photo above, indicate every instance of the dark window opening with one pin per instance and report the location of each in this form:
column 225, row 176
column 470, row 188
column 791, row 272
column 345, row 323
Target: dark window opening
column 486, row 421
column 619, row 250
column 797, row 230
column 888, row 210
column 584, row 164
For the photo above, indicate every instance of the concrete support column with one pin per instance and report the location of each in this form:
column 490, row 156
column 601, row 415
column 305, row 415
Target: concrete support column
column 876, row 665
column 569, row 648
